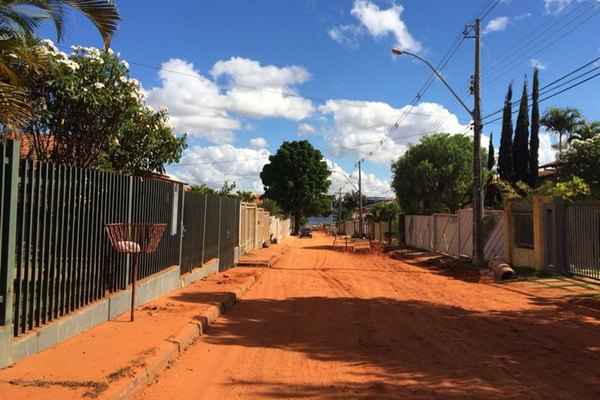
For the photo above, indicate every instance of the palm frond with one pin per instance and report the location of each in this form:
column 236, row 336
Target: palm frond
column 15, row 109
column 103, row 14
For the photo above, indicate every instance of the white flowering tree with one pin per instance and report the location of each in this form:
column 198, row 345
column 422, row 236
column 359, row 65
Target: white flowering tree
column 89, row 113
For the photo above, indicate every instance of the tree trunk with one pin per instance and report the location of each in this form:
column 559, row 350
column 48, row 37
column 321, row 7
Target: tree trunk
column 297, row 220
column 560, row 145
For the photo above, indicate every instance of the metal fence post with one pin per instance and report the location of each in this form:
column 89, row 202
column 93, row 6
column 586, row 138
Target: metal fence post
column 181, row 228
column 9, row 186
column 129, row 221
column 204, row 229
column 219, row 231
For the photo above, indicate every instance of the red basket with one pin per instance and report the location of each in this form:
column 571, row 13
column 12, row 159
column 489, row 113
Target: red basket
column 135, row 238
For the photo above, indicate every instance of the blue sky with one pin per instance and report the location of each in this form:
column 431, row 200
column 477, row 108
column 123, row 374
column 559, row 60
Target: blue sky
column 240, row 77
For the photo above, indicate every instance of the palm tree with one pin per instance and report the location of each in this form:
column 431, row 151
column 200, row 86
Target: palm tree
column 19, row 50
column 562, row 121
column 586, row 130
column 22, row 17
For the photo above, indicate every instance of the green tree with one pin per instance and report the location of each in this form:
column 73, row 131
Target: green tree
column 296, row 177
column 351, row 202
column 246, row 196
column 384, row 211
column 145, row 144
column 436, row 174
column 19, row 19
column 272, row 207
column 228, row 189
column 586, row 130
column 563, row 122
column 204, row 189
column 521, row 141
column 534, row 141
column 90, row 113
column 505, row 155
column 491, row 161
column 582, row 159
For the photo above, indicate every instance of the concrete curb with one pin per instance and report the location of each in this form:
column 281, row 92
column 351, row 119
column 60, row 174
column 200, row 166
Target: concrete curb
column 263, row 263
column 174, row 346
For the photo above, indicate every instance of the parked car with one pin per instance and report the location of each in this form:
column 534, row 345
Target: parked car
column 305, row 232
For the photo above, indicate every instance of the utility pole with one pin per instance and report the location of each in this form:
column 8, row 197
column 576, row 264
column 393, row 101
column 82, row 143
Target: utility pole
column 477, row 128
column 360, row 204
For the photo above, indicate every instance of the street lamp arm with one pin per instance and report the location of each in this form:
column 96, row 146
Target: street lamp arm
column 437, row 73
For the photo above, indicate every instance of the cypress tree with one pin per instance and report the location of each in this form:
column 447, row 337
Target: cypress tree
column 505, row 156
column 534, row 141
column 491, row 161
column 521, row 141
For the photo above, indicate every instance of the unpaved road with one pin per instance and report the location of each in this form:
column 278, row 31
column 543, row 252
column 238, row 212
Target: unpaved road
column 330, row 325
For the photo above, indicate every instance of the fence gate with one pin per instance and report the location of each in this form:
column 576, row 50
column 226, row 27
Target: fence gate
column 583, row 239
column 446, row 234
column 229, row 232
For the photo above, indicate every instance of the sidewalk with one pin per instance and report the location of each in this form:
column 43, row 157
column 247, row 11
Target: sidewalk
column 265, row 257
column 117, row 358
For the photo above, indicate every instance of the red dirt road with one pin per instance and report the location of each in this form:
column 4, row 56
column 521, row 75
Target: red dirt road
column 328, row 325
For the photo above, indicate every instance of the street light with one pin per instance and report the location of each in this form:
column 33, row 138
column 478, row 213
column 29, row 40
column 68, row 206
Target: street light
column 475, row 115
column 399, row 52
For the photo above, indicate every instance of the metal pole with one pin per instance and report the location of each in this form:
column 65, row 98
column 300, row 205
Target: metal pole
column 134, row 273
column 9, row 188
column 477, row 127
column 360, row 204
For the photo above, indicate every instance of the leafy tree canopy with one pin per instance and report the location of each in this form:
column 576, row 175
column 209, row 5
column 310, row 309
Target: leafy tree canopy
column 436, row 174
column 582, row 159
column 297, row 178
column 272, row 207
column 384, row 211
column 204, row 189
column 19, row 55
column 88, row 112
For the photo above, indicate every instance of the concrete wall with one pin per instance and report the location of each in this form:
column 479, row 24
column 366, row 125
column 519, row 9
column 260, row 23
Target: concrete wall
column 151, row 288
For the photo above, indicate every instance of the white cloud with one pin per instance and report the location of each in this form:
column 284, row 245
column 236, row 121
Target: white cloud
column 201, row 107
column 535, row 63
column 251, row 74
column 496, row 25
column 258, row 143
column 383, row 22
column 196, row 105
column 377, row 22
column 556, row 6
column 345, row 34
column 367, row 129
column 213, row 165
column 305, row 129
column 269, row 102
column 342, row 180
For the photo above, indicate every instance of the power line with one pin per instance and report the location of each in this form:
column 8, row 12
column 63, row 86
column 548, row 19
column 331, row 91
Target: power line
column 534, row 35
column 502, row 68
column 554, row 94
column 492, row 6
column 548, row 87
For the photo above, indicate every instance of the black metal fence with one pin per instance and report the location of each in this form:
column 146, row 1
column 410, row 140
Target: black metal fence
column 55, row 257
column 63, row 258
column 211, row 230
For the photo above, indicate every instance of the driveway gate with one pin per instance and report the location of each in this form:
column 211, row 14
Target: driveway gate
column 583, row 239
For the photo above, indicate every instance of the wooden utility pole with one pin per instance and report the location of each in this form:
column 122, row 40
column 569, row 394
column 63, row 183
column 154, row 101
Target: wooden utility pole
column 477, row 128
